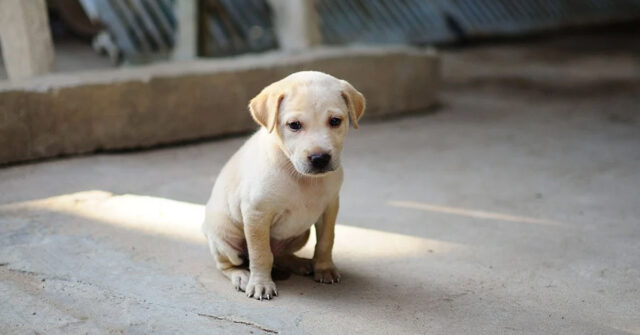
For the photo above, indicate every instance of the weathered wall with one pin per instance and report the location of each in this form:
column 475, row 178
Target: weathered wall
column 158, row 104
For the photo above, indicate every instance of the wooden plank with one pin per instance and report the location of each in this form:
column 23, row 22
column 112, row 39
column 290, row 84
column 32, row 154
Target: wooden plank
column 27, row 47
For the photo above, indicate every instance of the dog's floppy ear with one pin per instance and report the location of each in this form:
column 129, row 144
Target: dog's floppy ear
column 355, row 101
column 264, row 106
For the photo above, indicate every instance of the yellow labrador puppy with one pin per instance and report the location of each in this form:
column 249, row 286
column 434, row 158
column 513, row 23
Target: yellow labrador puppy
column 283, row 180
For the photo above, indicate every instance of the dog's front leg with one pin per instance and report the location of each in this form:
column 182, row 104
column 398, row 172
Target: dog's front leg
column 324, row 270
column 257, row 231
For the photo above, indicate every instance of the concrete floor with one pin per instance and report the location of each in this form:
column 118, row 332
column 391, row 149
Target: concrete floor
column 514, row 208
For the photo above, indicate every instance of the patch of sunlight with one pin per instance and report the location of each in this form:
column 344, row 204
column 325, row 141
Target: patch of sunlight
column 374, row 243
column 182, row 220
column 356, row 242
column 470, row 213
column 151, row 215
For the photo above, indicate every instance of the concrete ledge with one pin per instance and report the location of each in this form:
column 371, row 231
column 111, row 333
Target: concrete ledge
column 67, row 114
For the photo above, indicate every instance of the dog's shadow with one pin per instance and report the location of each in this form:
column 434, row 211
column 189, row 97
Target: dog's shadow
column 353, row 285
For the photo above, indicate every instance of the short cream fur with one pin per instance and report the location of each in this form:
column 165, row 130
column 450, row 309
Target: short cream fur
column 282, row 181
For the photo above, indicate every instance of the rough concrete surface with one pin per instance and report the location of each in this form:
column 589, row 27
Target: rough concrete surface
column 81, row 112
column 512, row 209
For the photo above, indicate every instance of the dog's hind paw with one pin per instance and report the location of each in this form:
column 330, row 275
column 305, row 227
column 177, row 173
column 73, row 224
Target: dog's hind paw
column 297, row 265
column 240, row 279
column 327, row 275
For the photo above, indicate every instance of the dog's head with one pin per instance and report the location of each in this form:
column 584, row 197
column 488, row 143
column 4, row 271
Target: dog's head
column 309, row 113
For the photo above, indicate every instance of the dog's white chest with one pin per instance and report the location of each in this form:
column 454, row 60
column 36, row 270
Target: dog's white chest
column 301, row 210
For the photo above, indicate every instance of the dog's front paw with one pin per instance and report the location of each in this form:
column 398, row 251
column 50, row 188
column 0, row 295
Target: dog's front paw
column 261, row 288
column 326, row 273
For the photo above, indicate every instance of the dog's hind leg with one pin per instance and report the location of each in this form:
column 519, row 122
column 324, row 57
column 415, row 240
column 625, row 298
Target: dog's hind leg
column 228, row 259
column 232, row 267
column 238, row 275
column 286, row 260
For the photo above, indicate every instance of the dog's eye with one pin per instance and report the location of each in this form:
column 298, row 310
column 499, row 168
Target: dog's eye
column 335, row 121
column 295, row 125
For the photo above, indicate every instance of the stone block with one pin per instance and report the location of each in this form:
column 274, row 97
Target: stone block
column 139, row 107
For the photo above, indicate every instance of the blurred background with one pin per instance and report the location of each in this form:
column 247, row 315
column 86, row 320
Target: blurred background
column 90, row 34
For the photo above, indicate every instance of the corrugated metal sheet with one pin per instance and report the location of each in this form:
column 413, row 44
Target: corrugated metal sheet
column 144, row 29
column 381, row 21
column 141, row 29
column 433, row 21
column 498, row 17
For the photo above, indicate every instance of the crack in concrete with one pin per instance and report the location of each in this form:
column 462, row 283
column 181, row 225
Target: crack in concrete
column 43, row 276
column 120, row 296
column 246, row 323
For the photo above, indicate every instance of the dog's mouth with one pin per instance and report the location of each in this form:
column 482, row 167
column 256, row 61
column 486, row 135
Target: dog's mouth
column 319, row 172
column 310, row 171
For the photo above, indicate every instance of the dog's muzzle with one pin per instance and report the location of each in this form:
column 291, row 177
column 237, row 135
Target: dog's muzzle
column 319, row 163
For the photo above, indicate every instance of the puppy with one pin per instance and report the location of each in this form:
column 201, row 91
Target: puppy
column 283, row 180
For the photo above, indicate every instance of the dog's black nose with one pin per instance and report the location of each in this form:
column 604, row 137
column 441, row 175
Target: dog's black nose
column 319, row 161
